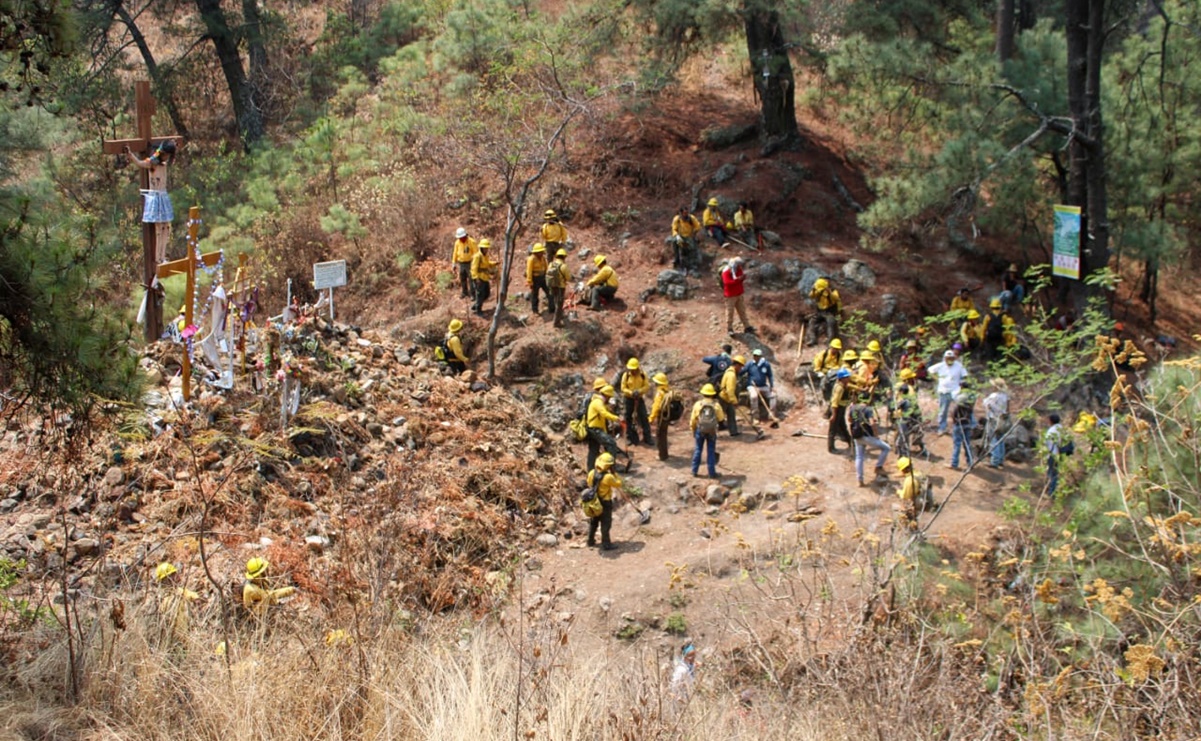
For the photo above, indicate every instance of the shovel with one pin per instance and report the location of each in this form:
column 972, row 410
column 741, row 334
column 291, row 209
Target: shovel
column 802, row 433
column 643, row 517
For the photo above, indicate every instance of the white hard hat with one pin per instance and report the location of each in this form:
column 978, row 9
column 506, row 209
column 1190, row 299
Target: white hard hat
column 460, row 233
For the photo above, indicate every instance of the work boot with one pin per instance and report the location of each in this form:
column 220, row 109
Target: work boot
column 881, row 472
column 608, row 547
column 592, row 542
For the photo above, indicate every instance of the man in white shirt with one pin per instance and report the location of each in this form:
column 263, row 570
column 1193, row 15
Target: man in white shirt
column 950, row 374
column 996, row 421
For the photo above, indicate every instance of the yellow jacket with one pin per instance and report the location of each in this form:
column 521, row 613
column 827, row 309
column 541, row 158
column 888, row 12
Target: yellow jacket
column 598, row 413
column 464, row 250
column 839, row 398
column 712, row 217
column 606, row 275
column 634, row 383
column 482, row 267
column 826, row 300
column 685, row 227
column 744, row 218
column 729, row 385
column 608, row 482
column 969, row 332
column 912, row 487
column 827, row 360
column 554, row 232
column 663, row 396
column 696, row 412
column 455, row 345
column 535, row 265
column 256, row 597
column 962, row 304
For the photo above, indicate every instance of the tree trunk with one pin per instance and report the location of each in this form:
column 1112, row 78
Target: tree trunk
column 161, row 89
column 1150, row 289
column 225, row 42
column 772, row 72
column 252, row 31
column 1006, row 27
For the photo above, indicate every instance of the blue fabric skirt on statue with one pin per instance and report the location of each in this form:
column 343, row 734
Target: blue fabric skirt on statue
column 157, row 209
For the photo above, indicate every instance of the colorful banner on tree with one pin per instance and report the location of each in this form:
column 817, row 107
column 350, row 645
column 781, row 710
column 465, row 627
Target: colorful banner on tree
column 1066, row 259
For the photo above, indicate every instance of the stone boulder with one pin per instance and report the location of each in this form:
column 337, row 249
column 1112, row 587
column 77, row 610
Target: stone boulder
column 673, row 284
column 858, row 273
column 809, row 276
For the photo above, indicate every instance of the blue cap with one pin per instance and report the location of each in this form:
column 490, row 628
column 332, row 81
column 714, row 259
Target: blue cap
column 842, row 373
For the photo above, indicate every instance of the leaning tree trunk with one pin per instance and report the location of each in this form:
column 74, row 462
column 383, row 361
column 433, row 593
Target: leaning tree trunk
column 225, row 42
column 165, row 93
column 772, row 70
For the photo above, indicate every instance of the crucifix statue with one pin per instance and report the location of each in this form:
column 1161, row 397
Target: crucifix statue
column 187, row 265
column 151, row 154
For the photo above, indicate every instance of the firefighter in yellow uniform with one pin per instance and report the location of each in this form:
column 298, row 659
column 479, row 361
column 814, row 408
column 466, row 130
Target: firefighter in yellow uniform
column 962, row 303
column 661, row 411
column 175, row 607
column 728, row 396
column 914, row 493
column 684, row 229
column 825, row 363
column 460, row 260
column 607, row 484
column 455, row 357
column 597, row 421
column 828, row 305
column 256, row 594
column 535, row 277
column 715, row 223
column 558, row 277
column 744, row 224
column 554, row 234
column 603, row 284
column 483, row 270
column 971, row 332
column 635, row 387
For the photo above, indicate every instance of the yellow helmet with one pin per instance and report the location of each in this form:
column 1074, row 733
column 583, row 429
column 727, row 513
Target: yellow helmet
column 867, row 355
column 821, row 284
column 632, row 364
column 836, row 343
column 455, row 325
column 599, row 383
column 995, row 303
column 738, row 360
column 604, row 461
column 608, row 390
column 538, row 247
column 163, row 570
column 903, row 464
column 485, row 243
column 660, row 379
column 549, row 214
column 973, row 314
column 908, row 374
column 599, row 260
column 874, row 346
column 850, row 355
column 712, row 201
column 256, row 567
column 561, row 253
column 708, row 390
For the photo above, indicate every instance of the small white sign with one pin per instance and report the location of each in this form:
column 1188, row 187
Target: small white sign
column 329, row 274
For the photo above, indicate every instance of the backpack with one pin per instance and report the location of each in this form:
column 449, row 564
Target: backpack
column 578, row 429
column 860, row 426
column 442, row 352
column 554, row 275
column 675, row 408
column 996, row 330
column 706, row 421
column 590, row 502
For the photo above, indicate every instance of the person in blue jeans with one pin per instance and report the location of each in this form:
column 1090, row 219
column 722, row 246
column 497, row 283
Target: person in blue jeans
column 1053, row 439
column 996, row 422
column 950, row 375
column 863, row 432
column 706, row 416
column 963, row 420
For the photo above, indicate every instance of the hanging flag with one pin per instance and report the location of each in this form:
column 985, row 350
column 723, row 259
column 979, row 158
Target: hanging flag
column 1066, row 246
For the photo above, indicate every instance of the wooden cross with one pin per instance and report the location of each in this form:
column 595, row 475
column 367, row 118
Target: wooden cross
column 187, row 265
column 144, row 107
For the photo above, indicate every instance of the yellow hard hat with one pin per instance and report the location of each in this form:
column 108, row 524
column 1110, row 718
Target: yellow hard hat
column 257, row 567
column 632, row 364
column 729, row 226
column 550, row 214
column 867, row 355
column 712, row 201
column 821, row 284
column 994, row 304
column 908, row 374
column 708, row 390
column 850, row 355
column 1007, row 321
column 538, row 247
column 599, row 260
column 874, row 346
column 660, row 379
column 910, row 343
column 455, row 325
column 738, row 360
column 561, row 253
column 599, row 383
column 608, row 390
column 973, row 314
column 485, row 244
column 163, row 570
column 836, row 343
column 604, row 461
column 903, row 463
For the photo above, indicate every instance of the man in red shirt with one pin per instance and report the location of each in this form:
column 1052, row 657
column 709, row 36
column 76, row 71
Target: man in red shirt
column 732, row 277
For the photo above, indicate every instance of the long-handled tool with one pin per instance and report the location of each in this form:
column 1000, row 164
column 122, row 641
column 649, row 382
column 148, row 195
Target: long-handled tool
column 802, row 433
column 643, row 517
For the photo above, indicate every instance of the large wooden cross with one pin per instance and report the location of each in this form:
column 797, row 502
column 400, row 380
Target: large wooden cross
column 151, row 250
column 187, row 265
